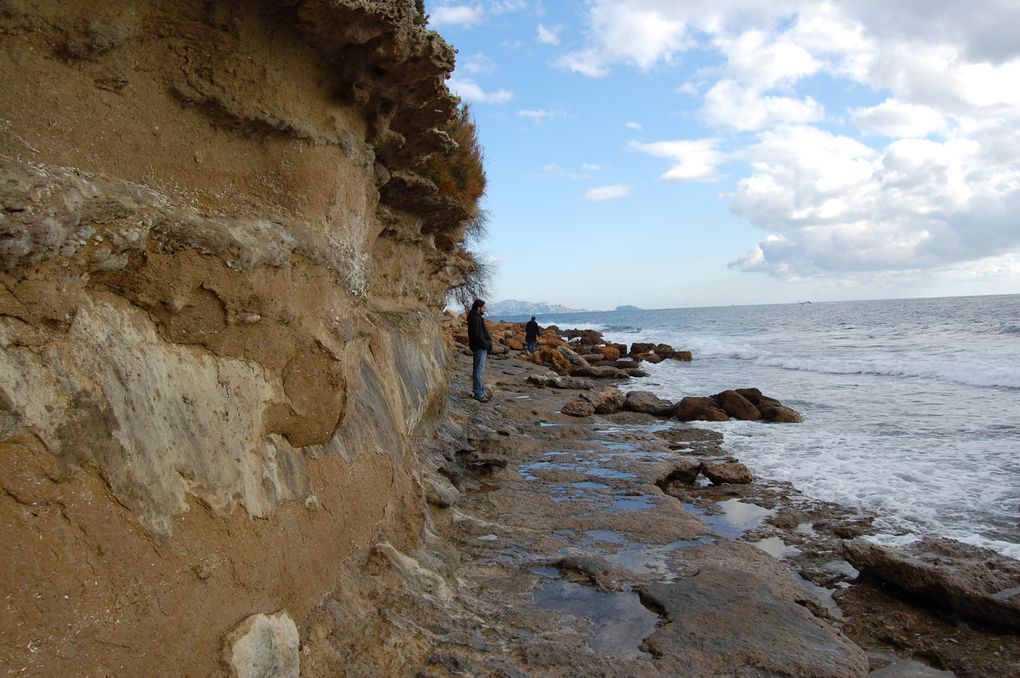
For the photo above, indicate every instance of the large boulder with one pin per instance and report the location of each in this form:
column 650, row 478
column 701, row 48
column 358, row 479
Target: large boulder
column 552, row 358
column 608, row 400
column 727, row 472
column 575, row 360
column 638, row 348
column 976, row 583
column 699, row 408
column 737, row 406
column 578, row 408
column 649, row 403
column 608, row 352
column 685, row 356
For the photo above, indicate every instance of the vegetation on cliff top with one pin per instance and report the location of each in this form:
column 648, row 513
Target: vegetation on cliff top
column 460, row 172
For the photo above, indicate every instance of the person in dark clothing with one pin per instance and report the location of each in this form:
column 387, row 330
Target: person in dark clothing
column 531, row 335
column 480, row 344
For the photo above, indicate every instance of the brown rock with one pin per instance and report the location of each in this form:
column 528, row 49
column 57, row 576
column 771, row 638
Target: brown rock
column 780, row 414
column 608, row 352
column 653, row 358
column 737, row 406
column 649, row 403
column 638, row 348
column 665, row 350
column 977, row 583
column 684, row 356
column 729, row 472
column 553, row 359
column 578, row 408
column 684, row 473
column 699, row 408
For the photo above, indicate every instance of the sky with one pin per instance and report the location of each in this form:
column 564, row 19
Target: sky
column 668, row 153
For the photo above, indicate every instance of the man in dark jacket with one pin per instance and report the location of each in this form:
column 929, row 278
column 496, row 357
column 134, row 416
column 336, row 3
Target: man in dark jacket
column 531, row 335
column 480, row 344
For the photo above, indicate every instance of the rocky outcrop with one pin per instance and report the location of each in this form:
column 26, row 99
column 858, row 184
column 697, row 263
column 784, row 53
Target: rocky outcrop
column 746, row 403
column 219, row 289
column 978, row 584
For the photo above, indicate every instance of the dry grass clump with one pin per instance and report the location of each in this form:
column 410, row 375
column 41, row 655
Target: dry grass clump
column 459, row 173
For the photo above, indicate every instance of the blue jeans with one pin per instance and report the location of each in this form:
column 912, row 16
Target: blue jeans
column 477, row 367
column 532, row 346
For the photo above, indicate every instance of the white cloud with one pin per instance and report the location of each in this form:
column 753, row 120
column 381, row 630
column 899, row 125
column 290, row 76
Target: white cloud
column 892, row 118
column 538, row 116
column 477, row 64
column 611, row 192
column 831, row 203
column 938, row 187
column 469, row 90
column 633, row 125
column 555, row 170
column 586, row 62
column 755, row 57
column 548, row 36
column 695, row 160
column 591, row 167
column 455, row 15
column 729, row 104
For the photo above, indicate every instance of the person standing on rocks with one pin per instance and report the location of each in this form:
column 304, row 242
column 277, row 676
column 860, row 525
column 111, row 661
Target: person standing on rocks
column 531, row 335
column 480, row 344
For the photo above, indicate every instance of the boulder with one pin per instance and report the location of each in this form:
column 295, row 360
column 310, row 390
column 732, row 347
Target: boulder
column 557, row 381
column 638, row 348
column 622, row 348
column 553, row 359
column 737, row 406
column 685, row 471
column 636, row 372
column 608, row 400
column 649, row 403
column 604, row 372
column 653, row 358
column 515, row 343
column 727, row 472
column 575, row 360
column 664, row 350
column 608, row 352
column 779, row 414
column 685, row 356
column 699, row 408
column 979, row 585
column 578, row 408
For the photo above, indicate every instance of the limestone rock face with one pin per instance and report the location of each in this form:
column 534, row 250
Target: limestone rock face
column 263, row 646
column 218, row 313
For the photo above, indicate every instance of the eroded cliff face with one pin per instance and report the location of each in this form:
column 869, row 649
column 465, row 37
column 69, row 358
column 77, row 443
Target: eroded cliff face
column 218, row 315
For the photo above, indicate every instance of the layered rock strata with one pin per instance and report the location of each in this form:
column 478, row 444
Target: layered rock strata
column 218, row 293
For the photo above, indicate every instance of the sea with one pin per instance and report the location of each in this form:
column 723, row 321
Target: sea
column 911, row 406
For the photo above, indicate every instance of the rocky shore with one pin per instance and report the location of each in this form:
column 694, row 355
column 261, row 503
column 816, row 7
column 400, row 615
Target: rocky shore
column 598, row 545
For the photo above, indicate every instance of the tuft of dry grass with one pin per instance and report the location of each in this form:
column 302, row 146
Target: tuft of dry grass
column 460, row 173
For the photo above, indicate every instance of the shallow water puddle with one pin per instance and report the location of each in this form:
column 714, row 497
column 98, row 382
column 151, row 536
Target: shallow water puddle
column 737, row 517
column 619, row 621
column 634, row 556
column 776, row 547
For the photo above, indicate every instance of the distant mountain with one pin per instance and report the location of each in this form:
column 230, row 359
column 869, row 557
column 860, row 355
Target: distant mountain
column 628, row 307
column 517, row 307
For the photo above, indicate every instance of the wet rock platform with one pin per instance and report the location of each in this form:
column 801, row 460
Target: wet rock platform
column 566, row 546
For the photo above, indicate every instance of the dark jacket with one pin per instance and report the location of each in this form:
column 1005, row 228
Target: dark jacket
column 478, row 333
column 531, row 331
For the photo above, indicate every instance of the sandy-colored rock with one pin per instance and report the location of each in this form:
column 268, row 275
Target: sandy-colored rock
column 649, row 403
column 263, row 645
column 729, row 472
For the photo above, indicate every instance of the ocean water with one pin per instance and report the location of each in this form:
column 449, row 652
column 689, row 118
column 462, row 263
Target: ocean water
column 911, row 407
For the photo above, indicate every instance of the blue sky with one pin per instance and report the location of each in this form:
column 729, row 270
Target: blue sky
column 712, row 152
